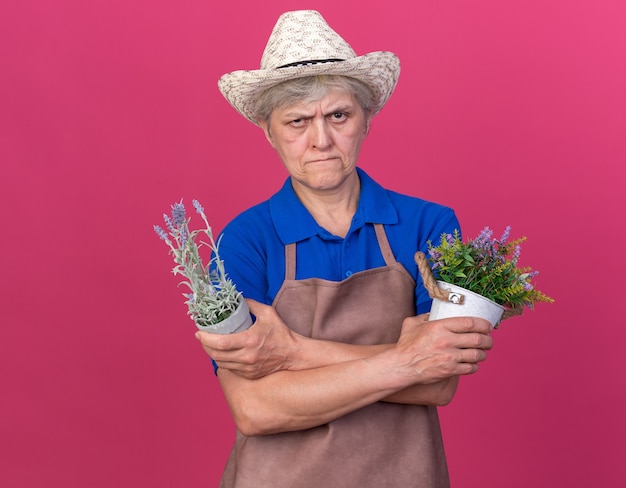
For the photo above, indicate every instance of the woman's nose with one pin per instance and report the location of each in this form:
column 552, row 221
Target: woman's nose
column 320, row 134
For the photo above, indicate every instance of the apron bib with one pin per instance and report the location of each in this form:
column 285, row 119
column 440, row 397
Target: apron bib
column 380, row 445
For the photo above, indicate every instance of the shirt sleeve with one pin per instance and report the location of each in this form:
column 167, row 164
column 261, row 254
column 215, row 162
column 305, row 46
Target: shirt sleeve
column 242, row 248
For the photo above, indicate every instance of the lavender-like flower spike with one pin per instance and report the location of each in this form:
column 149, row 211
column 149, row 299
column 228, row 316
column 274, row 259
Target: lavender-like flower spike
column 199, row 208
column 505, row 236
column 161, row 233
column 516, row 254
column 528, row 285
column 485, row 235
column 178, row 214
column 434, row 255
column 483, row 240
column 184, row 235
column 169, row 223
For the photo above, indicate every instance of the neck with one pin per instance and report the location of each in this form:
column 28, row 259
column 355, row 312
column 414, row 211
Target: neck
column 333, row 209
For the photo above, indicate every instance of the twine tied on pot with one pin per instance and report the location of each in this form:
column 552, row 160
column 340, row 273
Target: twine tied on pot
column 448, row 296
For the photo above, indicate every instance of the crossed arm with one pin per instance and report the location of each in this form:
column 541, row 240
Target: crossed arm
column 276, row 380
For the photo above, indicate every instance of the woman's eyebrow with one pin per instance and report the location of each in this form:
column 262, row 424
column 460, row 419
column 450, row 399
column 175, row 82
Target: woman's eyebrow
column 339, row 108
column 302, row 113
column 298, row 114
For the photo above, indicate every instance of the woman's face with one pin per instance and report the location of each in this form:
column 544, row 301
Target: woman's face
column 319, row 142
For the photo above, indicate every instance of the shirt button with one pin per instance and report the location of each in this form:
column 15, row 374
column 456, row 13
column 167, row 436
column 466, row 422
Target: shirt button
column 348, row 273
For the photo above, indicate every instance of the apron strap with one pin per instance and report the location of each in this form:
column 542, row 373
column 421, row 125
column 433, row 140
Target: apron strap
column 383, row 243
column 290, row 261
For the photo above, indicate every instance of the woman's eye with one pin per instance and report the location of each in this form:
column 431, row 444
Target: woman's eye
column 297, row 122
column 338, row 116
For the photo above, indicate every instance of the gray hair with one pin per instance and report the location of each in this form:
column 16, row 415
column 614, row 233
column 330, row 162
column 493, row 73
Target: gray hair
column 310, row 89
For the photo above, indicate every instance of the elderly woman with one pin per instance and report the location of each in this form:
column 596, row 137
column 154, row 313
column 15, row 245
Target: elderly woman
column 336, row 384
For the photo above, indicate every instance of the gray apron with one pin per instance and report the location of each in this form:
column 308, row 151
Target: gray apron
column 380, row 445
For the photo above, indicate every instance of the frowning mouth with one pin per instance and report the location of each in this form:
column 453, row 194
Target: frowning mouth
column 321, row 160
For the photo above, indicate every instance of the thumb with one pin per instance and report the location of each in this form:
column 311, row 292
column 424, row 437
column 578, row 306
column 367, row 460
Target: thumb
column 423, row 317
column 256, row 308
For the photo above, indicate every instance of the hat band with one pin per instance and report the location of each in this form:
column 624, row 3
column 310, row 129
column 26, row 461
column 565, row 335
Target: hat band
column 309, row 63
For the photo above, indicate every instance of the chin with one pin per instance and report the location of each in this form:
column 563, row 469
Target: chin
column 329, row 183
column 325, row 178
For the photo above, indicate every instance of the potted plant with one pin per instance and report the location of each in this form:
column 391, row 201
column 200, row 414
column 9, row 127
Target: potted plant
column 478, row 278
column 214, row 303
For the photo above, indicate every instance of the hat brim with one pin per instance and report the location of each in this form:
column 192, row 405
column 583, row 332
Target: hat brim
column 379, row 70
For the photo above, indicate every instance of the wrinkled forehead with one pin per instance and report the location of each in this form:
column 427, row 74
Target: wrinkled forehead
column 334, row 100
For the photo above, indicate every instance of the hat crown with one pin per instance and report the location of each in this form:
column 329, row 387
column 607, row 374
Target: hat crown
column 302, row 36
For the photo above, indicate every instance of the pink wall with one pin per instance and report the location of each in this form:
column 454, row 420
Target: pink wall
column 511, row 112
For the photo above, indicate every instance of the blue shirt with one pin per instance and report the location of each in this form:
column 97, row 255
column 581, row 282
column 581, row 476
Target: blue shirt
column 253, row 244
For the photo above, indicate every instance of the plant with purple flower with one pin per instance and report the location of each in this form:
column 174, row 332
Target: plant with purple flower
column 487, row 266
column 213, row 296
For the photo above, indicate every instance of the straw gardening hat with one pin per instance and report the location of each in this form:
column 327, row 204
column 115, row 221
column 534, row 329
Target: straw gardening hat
column 303, row 44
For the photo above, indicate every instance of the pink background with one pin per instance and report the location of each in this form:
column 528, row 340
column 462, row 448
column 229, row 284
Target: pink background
column 514, row 113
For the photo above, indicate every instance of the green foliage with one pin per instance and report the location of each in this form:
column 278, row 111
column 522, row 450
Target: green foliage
column 486, row 266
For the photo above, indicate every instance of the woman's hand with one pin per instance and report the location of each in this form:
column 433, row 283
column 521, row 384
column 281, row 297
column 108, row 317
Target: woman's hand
column 275, row 380
column 266, row 347
column 433, row 351
column 441, row 349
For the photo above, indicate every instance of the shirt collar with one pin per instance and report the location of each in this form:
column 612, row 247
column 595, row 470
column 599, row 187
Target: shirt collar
column 294, row 223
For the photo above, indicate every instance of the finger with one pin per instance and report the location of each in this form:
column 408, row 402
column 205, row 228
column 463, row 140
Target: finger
column 221, row 342
column 473, row 340
column 472, row 356
column 467, row 368
column 237, row 367
column 467, row 324
column 423, row 317
column 414, row 321
column 225, row 357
